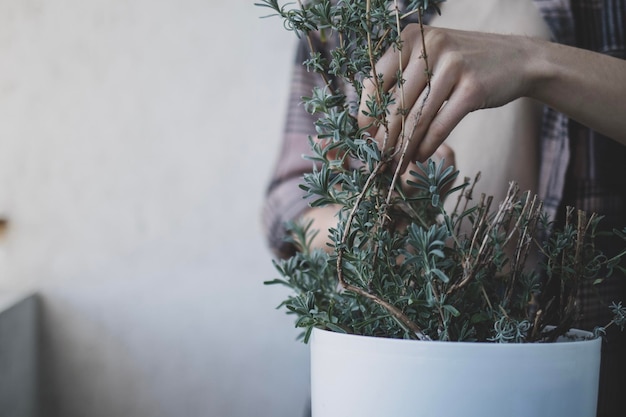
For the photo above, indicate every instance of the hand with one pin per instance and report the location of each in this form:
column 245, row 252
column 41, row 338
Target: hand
column 471, row 71
column 474, row 70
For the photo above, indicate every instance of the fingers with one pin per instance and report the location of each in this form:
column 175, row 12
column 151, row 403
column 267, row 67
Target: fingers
column 423, row 113
column 421, row 117
column 388, row 65
column 445, row 153
column 405, row 99
column 450, row 114
column 435, row 112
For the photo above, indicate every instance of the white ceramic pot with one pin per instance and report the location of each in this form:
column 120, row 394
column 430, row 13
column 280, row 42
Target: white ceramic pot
column 377, row 377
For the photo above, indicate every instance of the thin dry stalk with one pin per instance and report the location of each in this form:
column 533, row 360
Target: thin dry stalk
column 483, row 257
column 394, row 311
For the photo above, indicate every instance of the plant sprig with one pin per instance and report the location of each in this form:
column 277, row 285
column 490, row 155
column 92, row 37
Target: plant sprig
column 400, row 265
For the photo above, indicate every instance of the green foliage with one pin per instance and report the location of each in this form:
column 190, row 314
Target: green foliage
column 399, row 265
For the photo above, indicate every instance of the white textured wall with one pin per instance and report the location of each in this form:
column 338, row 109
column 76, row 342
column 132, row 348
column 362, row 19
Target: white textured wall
column 136, row 138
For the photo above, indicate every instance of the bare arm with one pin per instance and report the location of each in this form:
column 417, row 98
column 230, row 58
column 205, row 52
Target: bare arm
column 587, row 86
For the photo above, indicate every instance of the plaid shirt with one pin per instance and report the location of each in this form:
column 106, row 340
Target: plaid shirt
column 583, row 169
column 579, row 167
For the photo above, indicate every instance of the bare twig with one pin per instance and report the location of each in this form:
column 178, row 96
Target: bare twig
column 394, row 311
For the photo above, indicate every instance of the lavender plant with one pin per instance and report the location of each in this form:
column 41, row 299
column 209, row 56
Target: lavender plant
column 400, row 265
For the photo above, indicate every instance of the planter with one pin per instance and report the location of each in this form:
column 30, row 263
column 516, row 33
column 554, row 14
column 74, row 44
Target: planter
column 368, row 376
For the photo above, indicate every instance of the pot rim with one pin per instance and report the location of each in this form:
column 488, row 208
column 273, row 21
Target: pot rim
column 583, row 338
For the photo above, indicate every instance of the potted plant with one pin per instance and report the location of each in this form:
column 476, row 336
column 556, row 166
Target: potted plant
column 400, row 267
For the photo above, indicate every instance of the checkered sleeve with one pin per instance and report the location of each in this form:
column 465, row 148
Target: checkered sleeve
column 284, row 200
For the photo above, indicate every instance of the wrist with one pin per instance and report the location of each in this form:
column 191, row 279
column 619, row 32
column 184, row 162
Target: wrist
column 539, row 68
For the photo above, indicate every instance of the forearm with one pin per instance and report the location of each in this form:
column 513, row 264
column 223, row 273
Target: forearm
column 588, row 87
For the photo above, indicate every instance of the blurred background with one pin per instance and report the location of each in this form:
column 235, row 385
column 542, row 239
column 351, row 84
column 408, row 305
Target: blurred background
column 136, row 141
